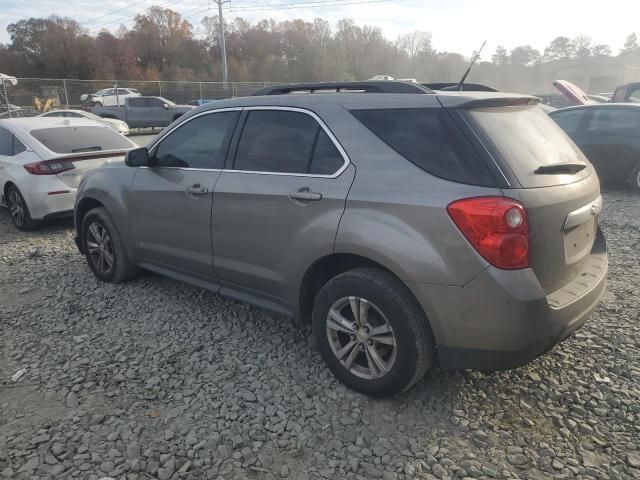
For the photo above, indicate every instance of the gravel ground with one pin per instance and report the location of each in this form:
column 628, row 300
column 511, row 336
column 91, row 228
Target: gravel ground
column 157, row 379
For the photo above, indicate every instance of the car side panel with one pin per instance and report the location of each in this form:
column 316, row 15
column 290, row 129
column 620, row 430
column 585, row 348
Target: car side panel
column 109, row 185
column 396, row 213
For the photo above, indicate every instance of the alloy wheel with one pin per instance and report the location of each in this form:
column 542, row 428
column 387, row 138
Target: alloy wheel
column 100, row 247
column 16, row 208
column 361, row 337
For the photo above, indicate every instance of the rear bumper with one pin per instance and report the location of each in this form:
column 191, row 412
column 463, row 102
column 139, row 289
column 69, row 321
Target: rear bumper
column 503, row 319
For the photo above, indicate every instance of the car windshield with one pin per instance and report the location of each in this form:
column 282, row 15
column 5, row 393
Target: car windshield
column 75, row 139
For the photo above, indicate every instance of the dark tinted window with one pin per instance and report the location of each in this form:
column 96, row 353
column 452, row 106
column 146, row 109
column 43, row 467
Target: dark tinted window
column 199, row 143
column 18, row 146
column 80, row 139
column 326, row 157
column 428, row 138
column 615, row 119
column 137, row 102
column 154, row 102
column 6, row 142
column 569, row 120
column 276, row 141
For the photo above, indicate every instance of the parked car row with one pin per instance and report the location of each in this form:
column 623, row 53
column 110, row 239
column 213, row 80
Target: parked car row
column 406, row 225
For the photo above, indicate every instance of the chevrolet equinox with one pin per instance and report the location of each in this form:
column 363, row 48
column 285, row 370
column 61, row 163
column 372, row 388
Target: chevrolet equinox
column 407, row 226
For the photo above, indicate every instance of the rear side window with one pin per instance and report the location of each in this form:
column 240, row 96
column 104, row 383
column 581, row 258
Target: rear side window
column 277, row 141
column 154, row 102
column 199, row 143
column 569, row 120
column 6, row 142
column 326, row 158
column 429, row 139
column 80, row 139
column 18, row 146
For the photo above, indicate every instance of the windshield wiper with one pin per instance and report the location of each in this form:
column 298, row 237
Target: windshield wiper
column 559, row 168
column 86, row 149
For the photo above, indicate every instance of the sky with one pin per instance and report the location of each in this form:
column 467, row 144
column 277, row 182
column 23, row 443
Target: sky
column 456, row 25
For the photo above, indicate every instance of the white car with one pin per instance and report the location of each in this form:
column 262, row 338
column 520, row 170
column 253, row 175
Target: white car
column 42, row 161
column 109, row 97
column 119, row 126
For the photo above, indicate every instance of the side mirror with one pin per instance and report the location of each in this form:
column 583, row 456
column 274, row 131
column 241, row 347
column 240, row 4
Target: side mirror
column 138, row 157
column 166, row 106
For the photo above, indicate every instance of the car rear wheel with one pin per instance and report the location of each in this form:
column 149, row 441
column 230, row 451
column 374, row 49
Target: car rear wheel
column 634, row 181
column 19, row 211
column 104, row 249
column 372, row 333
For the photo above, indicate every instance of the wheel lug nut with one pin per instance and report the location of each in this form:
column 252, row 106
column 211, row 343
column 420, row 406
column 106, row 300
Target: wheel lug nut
column 353, row 337
column 355, row 326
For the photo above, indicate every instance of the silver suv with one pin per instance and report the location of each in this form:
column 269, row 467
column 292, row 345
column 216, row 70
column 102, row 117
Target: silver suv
column 408, row 227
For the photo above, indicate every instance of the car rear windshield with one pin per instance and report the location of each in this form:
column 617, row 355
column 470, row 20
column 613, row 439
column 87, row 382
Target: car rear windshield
column 429, row 139
column 527, row 138
column 80, row 139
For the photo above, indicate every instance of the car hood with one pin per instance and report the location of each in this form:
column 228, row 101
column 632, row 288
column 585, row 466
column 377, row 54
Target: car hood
column 573, row 93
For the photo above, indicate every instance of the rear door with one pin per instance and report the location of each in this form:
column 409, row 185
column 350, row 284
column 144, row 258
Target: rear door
column 170, row 202
column 277, row 208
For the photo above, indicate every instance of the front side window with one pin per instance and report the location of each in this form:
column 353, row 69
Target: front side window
column 155, row 102
column 613, row 120
column 137, row 102
column 285, row 142
column 199, row 143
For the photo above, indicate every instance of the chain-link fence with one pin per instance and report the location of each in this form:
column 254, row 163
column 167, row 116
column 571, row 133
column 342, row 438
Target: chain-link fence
column 27, row 93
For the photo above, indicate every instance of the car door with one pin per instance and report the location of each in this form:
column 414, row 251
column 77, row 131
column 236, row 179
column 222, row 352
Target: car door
column 13, row 155
column 170, row 202
column 6, row 152
column 136, row 112
column 157, row 114
column 278, row 205
column 108, row 98
column 610, row 142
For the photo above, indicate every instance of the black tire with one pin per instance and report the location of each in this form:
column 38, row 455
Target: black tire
column 19, row 211
column 414, row 344
column 120, row 268
column 634, row 180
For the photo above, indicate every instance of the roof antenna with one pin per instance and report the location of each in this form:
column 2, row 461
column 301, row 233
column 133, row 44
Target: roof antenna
column 458, row 86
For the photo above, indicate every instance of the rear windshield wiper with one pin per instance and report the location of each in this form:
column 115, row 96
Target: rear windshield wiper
column 559, row 168
column 86, row 149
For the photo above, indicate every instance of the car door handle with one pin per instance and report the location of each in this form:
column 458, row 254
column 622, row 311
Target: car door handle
column 196, row 189
column 305, row 195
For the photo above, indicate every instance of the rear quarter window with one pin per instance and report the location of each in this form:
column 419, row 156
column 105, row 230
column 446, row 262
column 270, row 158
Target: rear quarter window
column 80, row 139
column 429, row 139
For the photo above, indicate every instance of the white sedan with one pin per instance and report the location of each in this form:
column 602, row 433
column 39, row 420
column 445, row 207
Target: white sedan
column 42, row 161
column 118, row 125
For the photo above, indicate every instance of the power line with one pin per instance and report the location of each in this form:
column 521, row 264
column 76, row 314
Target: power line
column 316, row 4
column 114, row 11
column 128, row 18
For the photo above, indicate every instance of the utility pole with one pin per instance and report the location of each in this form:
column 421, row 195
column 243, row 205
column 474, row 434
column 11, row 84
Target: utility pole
column 223, row 47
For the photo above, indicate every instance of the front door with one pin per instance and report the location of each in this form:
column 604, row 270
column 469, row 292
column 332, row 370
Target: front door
column 170, row 202
column 277, row 209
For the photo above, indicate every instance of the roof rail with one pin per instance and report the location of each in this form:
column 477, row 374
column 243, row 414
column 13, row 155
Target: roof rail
column 372, row 86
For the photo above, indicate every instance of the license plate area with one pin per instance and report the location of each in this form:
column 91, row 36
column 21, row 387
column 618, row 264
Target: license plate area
column 578, row 240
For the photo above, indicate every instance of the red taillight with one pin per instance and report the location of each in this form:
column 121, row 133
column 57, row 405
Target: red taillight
column 497, row 227
column 49, row 167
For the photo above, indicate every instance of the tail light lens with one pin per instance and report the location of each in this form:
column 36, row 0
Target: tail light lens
column 497, row 227
column 49, row 167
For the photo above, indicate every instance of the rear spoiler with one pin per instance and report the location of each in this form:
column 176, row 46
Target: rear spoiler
column 498, row 101
column 90, row 155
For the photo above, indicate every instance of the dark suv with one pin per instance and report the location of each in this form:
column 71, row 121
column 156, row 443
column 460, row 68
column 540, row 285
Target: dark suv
column 405, row 225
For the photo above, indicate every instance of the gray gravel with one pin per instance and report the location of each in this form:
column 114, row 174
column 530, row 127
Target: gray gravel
column 157, row 379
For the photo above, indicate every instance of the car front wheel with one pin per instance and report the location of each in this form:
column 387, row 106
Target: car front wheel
column 372, row 333
column 104, row 249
